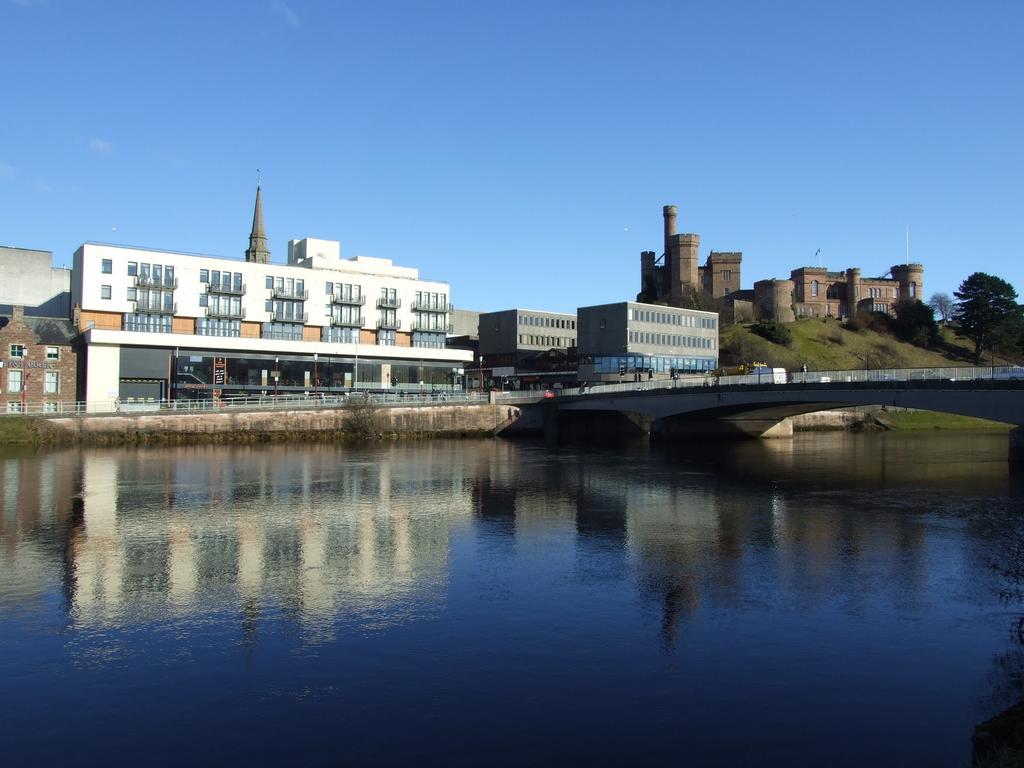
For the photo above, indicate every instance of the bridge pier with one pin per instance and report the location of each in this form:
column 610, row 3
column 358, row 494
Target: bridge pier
column 1017, row 445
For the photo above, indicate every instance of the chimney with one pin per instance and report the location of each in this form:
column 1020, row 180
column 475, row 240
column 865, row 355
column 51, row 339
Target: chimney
column 17, row 312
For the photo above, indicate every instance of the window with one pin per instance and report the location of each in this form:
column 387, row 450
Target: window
column 133, row 268
column 51, row 382
column 270, row 282
column 727, row 274
column 329, row 289
column 14, row 381
column 107, row 266
column 814, row 287
column 204, row 300
column 204, row 276
column 913, row 290
column 385, row 338
column 133, row 294
column 18, row 350
column 105, row 292
column 13, row 406
column 53, row 353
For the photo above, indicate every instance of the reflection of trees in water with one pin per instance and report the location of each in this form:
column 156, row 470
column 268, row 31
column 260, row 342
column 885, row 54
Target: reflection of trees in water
column 997, row 538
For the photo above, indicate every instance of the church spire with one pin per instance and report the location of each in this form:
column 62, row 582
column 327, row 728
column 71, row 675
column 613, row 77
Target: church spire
column 257, row 250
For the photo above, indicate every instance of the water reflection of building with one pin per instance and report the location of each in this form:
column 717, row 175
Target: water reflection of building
column 315, row 536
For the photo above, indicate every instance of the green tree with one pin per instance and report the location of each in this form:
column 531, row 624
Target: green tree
column 915, row 322
column 984, row 302
column 1008, row 338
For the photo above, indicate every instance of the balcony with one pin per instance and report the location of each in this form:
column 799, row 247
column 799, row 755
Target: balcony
column 352, row 301
column 389, row 324
column 426, row 306
column 148, row 281
column 291, row 293
column 341, row 322
column 226, row 313
column 383, row 303
column 225, row 289
column 155, row 308
column 279, row 316
column 425, row 327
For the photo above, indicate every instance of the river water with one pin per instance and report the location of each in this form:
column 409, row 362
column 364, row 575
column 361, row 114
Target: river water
column 828, row 600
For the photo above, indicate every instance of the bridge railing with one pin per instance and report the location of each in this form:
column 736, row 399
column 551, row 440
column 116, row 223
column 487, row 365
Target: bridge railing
column 257, row 403
column 831, row 377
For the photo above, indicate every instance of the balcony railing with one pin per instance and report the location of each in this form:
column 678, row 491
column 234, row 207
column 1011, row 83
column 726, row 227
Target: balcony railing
column 426, row 327
column 291, row 293
column 155, row 308
column 347, row 322
column 230, row 290
column 428, row 306
column 134, row 327
column 148, row 281
column 389, row 324
column 279, row 316
column 383, row 303
column 227, row 313
column 354, row 301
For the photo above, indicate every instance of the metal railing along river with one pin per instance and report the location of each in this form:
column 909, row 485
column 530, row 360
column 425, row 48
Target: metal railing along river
column 773, row 377
column 257, row 403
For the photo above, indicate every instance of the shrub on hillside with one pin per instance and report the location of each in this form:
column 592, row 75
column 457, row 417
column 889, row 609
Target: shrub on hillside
column 869, row 321
column 915, row 322
column 774, row 331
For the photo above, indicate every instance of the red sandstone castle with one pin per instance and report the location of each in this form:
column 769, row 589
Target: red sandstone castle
column 676, row 277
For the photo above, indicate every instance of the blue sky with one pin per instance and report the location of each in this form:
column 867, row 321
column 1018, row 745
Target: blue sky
column 522, row 151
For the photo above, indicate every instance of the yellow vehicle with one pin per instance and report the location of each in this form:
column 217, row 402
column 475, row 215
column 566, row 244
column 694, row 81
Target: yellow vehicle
column 738, row 370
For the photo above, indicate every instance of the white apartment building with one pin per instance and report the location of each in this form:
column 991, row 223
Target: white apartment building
column 166, row 325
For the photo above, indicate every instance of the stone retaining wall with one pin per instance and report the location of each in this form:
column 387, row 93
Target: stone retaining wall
column 260, row 426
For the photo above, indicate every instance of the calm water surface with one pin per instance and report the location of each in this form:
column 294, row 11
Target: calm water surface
column 822, row 601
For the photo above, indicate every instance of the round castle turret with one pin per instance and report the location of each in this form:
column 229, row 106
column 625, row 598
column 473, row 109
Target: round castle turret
column 774, row 299
column 911, row 280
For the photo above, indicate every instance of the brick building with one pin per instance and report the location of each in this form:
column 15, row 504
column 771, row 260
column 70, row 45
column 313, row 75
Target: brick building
column 38, row 362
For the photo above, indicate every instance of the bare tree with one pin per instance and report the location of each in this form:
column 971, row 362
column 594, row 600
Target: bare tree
column 942, row 303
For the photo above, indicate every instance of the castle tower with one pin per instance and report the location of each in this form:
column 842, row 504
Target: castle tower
column 911, row 280
column 257, row 250
column 650, row 287
column 774, row 299
column 669, row 212
column 852, row 291
column 682, row 260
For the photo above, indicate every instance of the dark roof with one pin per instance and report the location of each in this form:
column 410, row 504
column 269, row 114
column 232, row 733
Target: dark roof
column 49, row 330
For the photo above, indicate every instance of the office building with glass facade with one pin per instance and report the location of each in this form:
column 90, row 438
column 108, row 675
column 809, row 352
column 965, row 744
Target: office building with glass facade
column 632, row 339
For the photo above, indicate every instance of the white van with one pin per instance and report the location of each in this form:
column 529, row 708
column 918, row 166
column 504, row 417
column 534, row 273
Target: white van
column 1012, row 373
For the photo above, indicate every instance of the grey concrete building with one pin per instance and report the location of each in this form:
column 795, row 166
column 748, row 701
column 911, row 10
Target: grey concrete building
column 528, row 339
column 28, row 279
column 631, row 339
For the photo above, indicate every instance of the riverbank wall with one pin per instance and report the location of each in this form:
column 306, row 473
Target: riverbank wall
column 300, row 425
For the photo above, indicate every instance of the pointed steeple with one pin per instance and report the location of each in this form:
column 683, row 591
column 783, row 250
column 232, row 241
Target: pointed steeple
column 257, row 250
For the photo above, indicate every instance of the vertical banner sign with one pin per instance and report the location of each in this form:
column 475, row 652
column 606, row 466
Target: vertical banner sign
column 220, row 376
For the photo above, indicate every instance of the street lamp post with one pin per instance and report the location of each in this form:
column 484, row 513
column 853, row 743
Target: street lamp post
column 277, row 376
column 316, row 378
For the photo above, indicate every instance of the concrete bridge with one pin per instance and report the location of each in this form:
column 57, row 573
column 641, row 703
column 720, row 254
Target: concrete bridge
column 761, row 410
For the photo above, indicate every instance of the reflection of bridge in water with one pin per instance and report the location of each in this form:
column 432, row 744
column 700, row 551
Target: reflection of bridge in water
column 761, row 410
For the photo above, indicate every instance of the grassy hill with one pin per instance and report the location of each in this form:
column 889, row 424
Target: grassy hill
column 826, row 345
